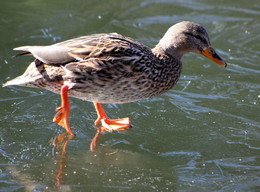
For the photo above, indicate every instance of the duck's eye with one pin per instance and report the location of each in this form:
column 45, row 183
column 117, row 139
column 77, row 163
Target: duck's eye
column 198, row 37
column 201, row 39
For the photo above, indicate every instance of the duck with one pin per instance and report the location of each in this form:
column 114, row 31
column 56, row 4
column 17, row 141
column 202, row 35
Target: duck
column 109, row 68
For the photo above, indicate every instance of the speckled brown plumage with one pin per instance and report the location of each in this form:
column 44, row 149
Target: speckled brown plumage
column 111, row 68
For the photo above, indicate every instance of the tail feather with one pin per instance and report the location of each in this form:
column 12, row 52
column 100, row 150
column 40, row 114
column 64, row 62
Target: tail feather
column 26, row 50
column 27, row 79
column 20, row 81
column 11, row 82
column 22, row 54
column 16, row 81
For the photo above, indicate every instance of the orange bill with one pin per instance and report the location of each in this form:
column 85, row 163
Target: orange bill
column 213, row 56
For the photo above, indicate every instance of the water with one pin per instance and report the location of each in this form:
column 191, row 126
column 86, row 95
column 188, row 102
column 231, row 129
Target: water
column 203, row 135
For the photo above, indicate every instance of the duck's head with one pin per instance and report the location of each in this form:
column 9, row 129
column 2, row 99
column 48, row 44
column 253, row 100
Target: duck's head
column 186, row 37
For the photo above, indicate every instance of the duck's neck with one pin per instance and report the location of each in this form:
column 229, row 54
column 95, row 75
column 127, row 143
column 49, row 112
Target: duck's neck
column 168, row 67
column 160, row 53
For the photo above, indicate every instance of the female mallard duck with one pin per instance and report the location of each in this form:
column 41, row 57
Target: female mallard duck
column 111, row 68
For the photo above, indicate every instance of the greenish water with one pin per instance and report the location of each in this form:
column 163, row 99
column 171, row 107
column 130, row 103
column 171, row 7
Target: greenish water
column 203, row 135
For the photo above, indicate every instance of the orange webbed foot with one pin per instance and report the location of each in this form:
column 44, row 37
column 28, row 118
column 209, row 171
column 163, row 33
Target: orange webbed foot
column 110, row 124
column 59, row 117
column 115, row 124
column 62, row 115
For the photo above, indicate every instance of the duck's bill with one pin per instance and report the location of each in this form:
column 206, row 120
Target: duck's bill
column 213, row 56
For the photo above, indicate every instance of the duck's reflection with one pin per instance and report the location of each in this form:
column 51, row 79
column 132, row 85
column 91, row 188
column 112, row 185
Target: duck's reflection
column 60, row 146
column 95, row 141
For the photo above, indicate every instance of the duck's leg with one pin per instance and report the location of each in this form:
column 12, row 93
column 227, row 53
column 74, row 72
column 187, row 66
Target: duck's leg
column 63, row 112
column 110, row 124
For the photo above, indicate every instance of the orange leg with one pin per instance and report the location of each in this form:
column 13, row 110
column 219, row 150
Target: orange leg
column 110, row 124
column 63, row 112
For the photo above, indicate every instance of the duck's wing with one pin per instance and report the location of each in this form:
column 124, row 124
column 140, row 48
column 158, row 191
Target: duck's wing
column 103, row 46
column 86, row 47
column 105, row 60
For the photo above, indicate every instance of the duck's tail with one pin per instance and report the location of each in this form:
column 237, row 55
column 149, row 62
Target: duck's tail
column 20, row 81
column 27, row 79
